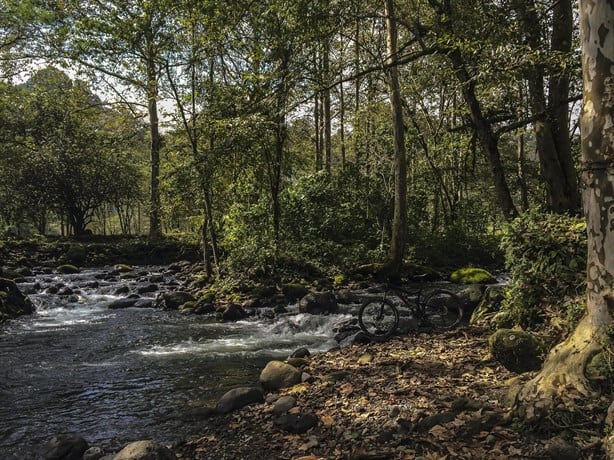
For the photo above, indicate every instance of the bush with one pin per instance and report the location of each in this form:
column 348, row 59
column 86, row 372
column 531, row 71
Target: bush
column 545, row 255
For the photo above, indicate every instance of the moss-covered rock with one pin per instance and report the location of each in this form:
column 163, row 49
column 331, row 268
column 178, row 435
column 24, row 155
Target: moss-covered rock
column 517, row 351
column 172, row 300
column 67, row 269
column 489, row 306
column 471, row 275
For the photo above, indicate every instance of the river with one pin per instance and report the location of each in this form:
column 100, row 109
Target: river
column 116, row 376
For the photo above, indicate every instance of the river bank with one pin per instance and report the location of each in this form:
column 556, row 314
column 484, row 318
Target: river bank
column 428, row 396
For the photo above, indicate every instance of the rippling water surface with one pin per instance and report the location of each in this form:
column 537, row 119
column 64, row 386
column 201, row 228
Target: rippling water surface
column 116, row 376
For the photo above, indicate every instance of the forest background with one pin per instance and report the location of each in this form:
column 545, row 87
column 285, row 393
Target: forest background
column 327, row 133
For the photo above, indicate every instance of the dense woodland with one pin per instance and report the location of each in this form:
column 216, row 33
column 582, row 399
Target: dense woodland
column 323, row 133
column 326, row 131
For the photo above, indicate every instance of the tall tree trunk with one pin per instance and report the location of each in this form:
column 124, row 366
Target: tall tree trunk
column 155, row 226
column 563, row 372
column 484, row 131
column 316, row 122
column 552, row 120
column 327, row 103
column 399, row 220
column 342, row 123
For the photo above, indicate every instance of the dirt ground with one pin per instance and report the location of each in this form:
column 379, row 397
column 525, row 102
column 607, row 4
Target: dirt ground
column 428, row 396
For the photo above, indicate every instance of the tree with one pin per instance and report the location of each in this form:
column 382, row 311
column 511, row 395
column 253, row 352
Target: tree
column 399, row 219
column 550, row 108
column 125, row 42
column 563, row 371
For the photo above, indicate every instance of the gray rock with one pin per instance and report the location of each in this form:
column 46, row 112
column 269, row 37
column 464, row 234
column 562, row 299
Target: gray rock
column 300, row 353
column 147, row 288
column 318, row 303
column 145, row 450
column 277, row 374
column 238, row 398
column 296, row 423
column 174, row 299
column 233, row 313
column 283, row 404
column 66, row 446
column 93, row 453
column 122, row 303
column 13, row 302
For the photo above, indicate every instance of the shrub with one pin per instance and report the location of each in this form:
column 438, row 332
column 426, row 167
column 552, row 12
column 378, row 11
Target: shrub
column 545, row 255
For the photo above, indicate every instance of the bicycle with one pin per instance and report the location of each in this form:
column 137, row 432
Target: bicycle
column 379, row 317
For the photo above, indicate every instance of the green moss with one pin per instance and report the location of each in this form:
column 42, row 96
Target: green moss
column 339, row 280
column 470, row 275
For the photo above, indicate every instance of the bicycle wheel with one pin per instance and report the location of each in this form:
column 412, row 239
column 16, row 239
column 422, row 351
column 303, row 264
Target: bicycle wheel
column 378, row 318
column 442, row 309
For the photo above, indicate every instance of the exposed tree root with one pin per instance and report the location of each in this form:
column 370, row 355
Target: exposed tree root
column 562, row 380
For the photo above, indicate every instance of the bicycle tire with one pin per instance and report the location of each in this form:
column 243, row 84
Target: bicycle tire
column 442, row 309
column 378, row 318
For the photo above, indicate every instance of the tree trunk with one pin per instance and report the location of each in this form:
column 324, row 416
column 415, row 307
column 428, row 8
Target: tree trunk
column 155, row 226
column 399, row 219
column 485, row 134
column 552, row 120
column 327, row 111
column 563, row 371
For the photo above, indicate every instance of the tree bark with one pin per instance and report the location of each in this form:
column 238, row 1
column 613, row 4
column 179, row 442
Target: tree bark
column 563, row 373
column 551, row 126
column 487, row 137
column 399, row 219
column 155, row 226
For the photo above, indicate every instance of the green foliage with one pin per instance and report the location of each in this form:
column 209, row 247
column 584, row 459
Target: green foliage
column 332, row 219
column 545, row 255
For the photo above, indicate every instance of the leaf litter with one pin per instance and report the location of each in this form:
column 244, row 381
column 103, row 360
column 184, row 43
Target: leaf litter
column 432, row 396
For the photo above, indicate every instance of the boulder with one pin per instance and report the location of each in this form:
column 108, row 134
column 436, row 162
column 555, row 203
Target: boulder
column 277, row 374
column 143, row 303
column 13, row 302
column 93, row 453
column 238, row 398
column 123, row 268
column 471, row 275
column 233, row 313
column 147, row 288
column 471, row 296
column 300, row 353
column 172, row 300
column 67, row 269
column 145, row 450
column 293, row 292
column 284, row 404
column 296, row 423
column 517, row 351
column 489, row 305
column 66, row 446
column 122, row 303
column 318, row 303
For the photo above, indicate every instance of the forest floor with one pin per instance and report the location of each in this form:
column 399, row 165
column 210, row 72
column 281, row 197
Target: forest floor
column 430, row 396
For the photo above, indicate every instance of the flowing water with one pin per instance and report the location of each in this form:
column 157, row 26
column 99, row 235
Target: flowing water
column 115, row 376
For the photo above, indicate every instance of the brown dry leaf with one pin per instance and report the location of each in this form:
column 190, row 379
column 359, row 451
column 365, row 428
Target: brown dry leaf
column 327, row 420
column 346, row 389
